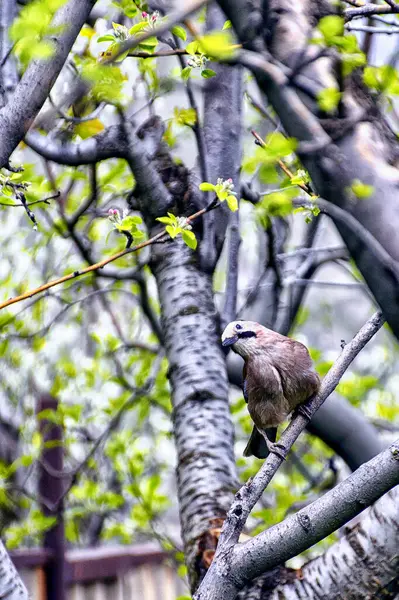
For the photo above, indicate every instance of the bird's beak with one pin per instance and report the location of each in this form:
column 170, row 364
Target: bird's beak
column 230, row 341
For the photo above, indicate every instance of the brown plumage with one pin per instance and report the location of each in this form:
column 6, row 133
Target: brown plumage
column 278, row 377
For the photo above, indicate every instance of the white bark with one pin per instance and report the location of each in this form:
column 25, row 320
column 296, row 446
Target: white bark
column 361, row 565
column 11, row 586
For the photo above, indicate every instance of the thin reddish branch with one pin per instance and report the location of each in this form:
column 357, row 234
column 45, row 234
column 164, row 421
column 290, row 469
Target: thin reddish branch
column 99, row 265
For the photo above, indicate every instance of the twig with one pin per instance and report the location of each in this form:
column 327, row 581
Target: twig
column 77, row 120
column 155, row 239
column 370, row 29
column 230, row 304
column 305, row 187
column 45, row 200
column 369, row 10
column 175, row 52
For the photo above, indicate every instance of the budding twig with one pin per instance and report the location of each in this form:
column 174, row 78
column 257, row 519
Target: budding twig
column 99, row 265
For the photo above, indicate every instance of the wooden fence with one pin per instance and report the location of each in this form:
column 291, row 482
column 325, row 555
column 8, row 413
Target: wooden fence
column 139, row 572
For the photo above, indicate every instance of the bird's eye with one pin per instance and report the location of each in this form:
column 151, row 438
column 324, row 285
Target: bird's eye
column 238, row 326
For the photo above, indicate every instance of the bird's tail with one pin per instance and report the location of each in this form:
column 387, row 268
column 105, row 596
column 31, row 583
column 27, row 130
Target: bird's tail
column 256, row 444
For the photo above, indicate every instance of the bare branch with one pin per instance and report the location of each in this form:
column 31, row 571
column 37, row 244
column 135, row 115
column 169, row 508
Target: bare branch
column 370, row 9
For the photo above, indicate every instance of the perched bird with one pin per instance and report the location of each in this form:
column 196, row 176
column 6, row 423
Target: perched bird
column 278, row 377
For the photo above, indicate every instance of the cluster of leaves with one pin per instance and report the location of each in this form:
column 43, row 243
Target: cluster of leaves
column 331, row 33
column 179, row 226
column 31, row 31
column 224, row 190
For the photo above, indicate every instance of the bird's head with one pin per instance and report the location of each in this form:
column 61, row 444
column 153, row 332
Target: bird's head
column 242, row 337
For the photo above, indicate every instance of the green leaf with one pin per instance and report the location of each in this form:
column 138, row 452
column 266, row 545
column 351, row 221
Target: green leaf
column 185, row 116
column 89, row 128
column 106, row 38
column 331, row 26
column 208, row 73
column 185, row 73
column 328, row 99
column 138, row 27
column 227, row 25
column 301, row 177
column 166, row 220
column 232, row 203
column 173, row 231
column 189, row 238
column 149, row 44
column 131, row 222
column 383, row 79
column 207, row 187
column 192, row 47
column 179, row 32
column 361, row 190
column 217, row 44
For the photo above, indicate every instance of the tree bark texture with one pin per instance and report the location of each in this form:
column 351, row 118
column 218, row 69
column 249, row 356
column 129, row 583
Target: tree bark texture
column 362, row 564
column 206, row 475
column 11, row 586
column 241, row 563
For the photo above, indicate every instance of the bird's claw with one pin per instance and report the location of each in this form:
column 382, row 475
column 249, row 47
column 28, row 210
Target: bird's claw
column 304, row 411
column 278, row 449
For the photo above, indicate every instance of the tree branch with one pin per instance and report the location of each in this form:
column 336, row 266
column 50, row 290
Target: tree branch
column 159, row 237
column 313, row 523
column 38, row 79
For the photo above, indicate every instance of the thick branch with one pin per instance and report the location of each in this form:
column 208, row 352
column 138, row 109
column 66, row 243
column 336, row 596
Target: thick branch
column 303, row 529
column 313, row 523
column 31, row 92
column 222, row 104
column 111, row 143
column 11, row 586
column 359, row 565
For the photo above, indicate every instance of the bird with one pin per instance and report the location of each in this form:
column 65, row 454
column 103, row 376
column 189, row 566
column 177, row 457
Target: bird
column 278, row 377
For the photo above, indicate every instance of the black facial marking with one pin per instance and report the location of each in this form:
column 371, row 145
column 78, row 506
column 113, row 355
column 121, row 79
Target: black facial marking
column 246, row 334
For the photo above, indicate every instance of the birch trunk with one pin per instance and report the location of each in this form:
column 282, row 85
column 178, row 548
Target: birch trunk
column 11, row 586
column 206, row 475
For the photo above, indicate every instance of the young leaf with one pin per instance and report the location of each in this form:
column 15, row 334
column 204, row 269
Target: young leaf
column 328, row 99
column 172, row 231
column 106, row 38
column 232, row 203
column 165, row 220
column 89, row 128
column 189, row 238
column 192, row 47
column 207, row 187
column 361, row 190
column 138, row 27
column 185, row 73
column 179, row 32
column 208, row 73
